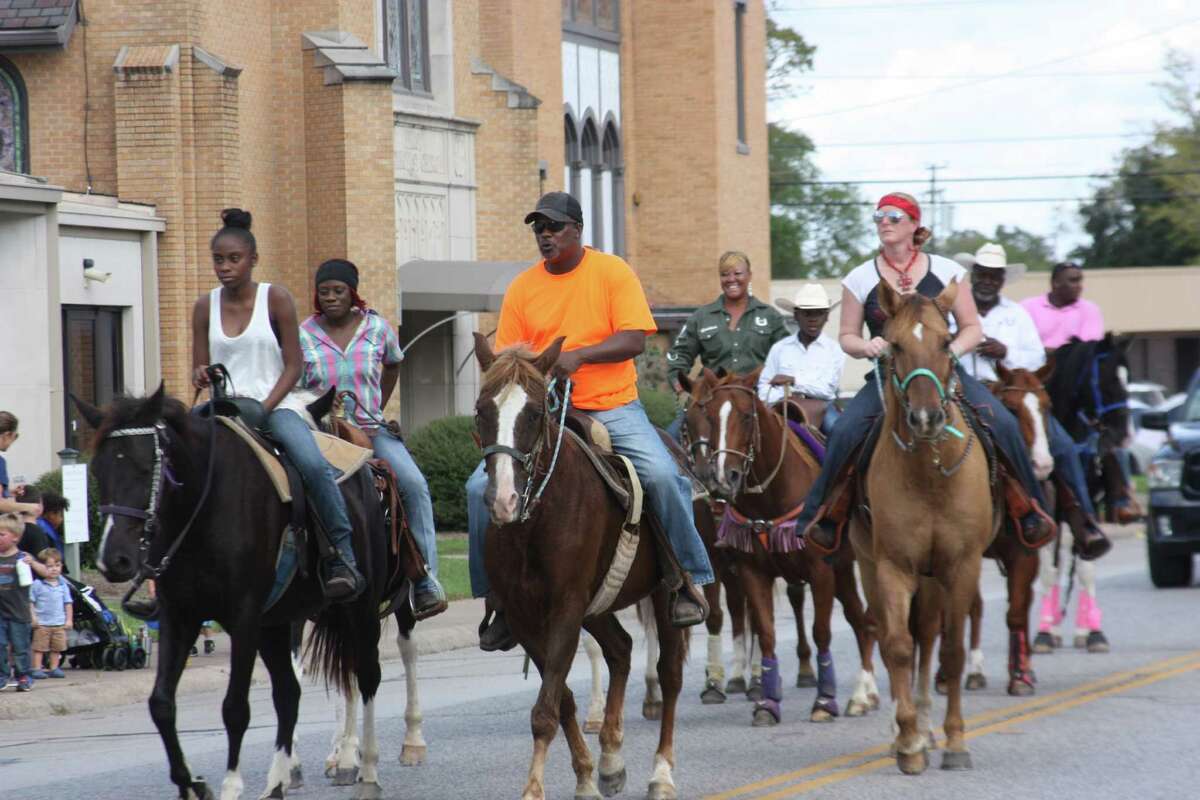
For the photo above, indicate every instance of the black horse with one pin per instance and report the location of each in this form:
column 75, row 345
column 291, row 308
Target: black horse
column 164, row 474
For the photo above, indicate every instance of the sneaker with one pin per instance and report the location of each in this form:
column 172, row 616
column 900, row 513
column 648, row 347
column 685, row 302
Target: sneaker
column 56, row 673
column 210, row 647
column 38, row 675
column 24, row 685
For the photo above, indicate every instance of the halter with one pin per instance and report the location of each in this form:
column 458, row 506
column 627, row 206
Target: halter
column 528, row 461
column 1100, row 408
column 946, row 394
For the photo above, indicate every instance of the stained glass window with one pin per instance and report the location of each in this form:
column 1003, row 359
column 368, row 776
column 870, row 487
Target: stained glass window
column 406, row 42
column 13, row 115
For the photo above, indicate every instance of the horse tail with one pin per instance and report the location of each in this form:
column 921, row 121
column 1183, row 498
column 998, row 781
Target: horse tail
column 332, row 650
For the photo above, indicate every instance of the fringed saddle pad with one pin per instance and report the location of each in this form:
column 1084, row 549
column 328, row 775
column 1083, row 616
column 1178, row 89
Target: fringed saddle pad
column 772, row 536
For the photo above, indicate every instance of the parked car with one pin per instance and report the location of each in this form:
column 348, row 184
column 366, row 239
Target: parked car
column 1148, row 393
column 1173, row 478
column 1144, row 441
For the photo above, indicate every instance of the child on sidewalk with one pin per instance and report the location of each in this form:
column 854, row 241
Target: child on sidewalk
column 52, row 615
column 15, row 577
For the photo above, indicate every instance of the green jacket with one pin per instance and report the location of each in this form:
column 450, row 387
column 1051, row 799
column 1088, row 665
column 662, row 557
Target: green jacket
column 706, row 334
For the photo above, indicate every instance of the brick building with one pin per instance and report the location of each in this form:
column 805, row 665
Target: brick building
column 409, row 136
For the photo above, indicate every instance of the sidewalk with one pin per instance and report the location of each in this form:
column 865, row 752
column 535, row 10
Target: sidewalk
column 86, row 690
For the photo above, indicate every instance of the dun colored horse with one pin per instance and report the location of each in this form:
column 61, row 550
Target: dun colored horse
column 173, row 483
column 931, row 519
column 760, row 467
column 548, row 555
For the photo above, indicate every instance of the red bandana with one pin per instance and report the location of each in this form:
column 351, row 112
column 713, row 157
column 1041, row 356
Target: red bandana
column 902, row 203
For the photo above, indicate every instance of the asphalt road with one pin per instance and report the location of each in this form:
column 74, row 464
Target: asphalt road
column 1117, row 725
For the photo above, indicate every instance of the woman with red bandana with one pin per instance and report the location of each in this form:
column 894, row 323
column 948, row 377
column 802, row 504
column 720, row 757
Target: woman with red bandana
column 907, row 270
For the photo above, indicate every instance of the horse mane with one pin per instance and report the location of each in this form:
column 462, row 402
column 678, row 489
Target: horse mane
column 911, row 308
column 514, row 365
column 127, row 411
column 1070, row 362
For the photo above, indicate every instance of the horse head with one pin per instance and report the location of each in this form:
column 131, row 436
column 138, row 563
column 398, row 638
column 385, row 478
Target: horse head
column 512, row 422
column 132, row 464
column 1112, row 393
column 1089, row 389
column 726, row 410
column 918, row 337
column 1022, row 392
column 696, row 433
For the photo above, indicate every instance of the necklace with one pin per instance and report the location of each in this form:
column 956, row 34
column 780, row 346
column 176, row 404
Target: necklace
column 905, row 279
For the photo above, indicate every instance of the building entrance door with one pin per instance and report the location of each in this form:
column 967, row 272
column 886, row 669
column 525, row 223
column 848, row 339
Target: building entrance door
column 93, row 366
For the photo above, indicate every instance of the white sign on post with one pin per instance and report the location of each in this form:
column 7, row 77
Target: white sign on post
column 74, row 482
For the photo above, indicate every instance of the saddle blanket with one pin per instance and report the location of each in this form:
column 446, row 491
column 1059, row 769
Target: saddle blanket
column 774, row 536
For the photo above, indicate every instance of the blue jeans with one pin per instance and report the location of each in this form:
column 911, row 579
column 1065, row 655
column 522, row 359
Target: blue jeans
column 318, row 476
column 19, row 635
column 831, row 417
column 669, row 494
column 855, row 422
column 414, row 494
column 675, row 429
column 1068, row 464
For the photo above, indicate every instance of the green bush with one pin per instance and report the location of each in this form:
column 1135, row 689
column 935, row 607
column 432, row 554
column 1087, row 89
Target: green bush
column 52, row 482
column 447, row 455
column 661, row 406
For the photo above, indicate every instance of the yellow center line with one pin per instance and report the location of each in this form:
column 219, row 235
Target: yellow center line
column 977, row 725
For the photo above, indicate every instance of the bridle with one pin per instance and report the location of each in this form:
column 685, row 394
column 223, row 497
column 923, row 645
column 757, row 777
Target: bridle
column 551, row 404
column 748, row 456
column 1100, row 409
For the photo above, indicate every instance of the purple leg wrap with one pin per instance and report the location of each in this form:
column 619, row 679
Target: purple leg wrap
column 772, row 684
column 806, row 436
column 826, row 677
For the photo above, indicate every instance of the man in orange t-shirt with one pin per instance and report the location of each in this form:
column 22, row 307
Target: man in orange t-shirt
column 595, row 300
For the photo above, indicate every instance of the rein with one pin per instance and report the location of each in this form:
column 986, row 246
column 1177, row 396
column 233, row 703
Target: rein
column 528, row 461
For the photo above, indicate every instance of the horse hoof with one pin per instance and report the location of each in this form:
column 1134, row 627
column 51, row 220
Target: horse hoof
column 940, row 686
column 198, row 790
column 593, row 726
column 1021, row 687
column 754, row 691
column 1056, row 641
column 612, row 784
column 592, row 796
column 913, row 763
column 956, row 760
column 296, row 779
column 368, row 791
column 276, row 793
column 766, row 714
column 345, row 776
column 651, row 710
column 824, row 709
column 712, row 694
column 1080, row 641
column 660, row 790
column 736, row 686
column 856, row 708
column 805, row 679
column 412, row 755
column 1097, row 643
column 976, row 681
column 1043, row 643
column 820, row 715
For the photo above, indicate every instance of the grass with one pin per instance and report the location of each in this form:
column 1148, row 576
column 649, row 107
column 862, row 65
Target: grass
column 452, row 566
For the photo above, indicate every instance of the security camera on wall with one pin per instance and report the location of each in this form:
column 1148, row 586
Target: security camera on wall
column 90, row 273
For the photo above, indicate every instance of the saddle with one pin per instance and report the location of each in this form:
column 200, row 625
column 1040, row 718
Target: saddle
column 808, row 410
column 622, row 480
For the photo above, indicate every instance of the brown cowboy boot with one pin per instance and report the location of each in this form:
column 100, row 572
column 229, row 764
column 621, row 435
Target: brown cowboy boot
column 1090, row 541
column 822, row 532
column 1037, row 527
column 1127, row 510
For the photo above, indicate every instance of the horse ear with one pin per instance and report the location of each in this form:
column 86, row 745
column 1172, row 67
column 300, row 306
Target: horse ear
column 483, row 352
column 90, row 413
column 720, row 373
column 1003, row 373
column 1046, row 370
column 751, row 378
column 549, row 357
column 1123, row 342
column 155, row 402
column 945, row 300
column 707, row 374
column 889, row 298
column 685, row 382
column 320, row 407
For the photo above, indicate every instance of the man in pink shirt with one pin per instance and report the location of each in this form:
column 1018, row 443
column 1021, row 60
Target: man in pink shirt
column 1063, row 313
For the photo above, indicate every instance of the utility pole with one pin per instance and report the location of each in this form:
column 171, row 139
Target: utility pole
column 934, row 197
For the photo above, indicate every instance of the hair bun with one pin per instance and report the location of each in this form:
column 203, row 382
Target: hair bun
column 236, row 218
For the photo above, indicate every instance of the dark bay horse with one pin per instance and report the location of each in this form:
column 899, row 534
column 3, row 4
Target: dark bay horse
column 931, row 518
column 760, row 467
column 548, row 556
column 169, row 478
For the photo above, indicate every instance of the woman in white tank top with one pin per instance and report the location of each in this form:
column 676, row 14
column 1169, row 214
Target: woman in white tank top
column 252, row 329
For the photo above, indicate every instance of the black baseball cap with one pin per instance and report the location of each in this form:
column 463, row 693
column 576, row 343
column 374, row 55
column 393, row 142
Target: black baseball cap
column 558, row 206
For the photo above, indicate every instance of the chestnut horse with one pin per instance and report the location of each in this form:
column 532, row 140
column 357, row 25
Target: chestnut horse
column 931, row 519
column 548, row 556
column 760, row 467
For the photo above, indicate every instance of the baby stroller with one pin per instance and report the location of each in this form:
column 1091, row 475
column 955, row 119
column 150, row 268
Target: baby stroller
column 99, row 638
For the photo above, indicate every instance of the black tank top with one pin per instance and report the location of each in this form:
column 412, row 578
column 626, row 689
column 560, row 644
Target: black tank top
column 930, row 286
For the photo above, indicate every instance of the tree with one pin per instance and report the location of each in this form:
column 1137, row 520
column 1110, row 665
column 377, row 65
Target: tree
column 817, row 230
column 787, row 55
column 1146, row 215
column 1021, row 246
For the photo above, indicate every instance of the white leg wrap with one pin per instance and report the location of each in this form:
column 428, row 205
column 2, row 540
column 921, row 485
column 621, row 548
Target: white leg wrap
column 976, row 663
column 231, row 787
column 369, row 771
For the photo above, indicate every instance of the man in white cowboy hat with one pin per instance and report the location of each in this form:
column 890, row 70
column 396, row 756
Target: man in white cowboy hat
column 1010, row 337
column 810, row 362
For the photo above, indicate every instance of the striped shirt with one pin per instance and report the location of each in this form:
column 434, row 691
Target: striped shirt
column 358, row 368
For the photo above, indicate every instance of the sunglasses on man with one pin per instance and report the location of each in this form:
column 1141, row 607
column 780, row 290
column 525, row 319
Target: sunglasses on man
column 893, row 216
column 552, row 225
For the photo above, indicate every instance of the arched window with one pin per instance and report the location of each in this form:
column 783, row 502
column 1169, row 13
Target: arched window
column 14, row 116
column 589, row 185
column 612, row 191
column 571, row 156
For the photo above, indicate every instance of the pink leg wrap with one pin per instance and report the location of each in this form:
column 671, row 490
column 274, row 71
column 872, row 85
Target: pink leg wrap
column 1087, row 616
column 1051, row 613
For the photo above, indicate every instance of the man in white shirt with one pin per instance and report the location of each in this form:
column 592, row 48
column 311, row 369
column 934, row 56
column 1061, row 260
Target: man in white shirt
column 810, row 362
column 1011, row 338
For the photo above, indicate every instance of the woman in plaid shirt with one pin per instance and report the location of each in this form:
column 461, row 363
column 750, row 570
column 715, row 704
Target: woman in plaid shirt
column 348, row 345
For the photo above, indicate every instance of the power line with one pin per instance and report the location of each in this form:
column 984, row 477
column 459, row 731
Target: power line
column 992, row 140
column 998, row 76
column 976, row 82
column 893, row 7
column 985, row 201
column 995, row 178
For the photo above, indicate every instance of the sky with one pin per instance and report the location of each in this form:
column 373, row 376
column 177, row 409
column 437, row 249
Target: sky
column 1064, row 84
